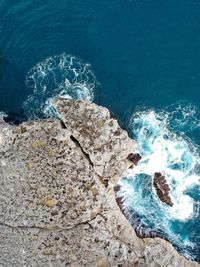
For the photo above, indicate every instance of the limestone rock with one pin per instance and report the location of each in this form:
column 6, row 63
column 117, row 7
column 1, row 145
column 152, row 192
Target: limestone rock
column 99, row 135
column 57, row 202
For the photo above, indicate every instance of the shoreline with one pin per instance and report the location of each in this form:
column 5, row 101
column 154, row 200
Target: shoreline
column 57, row 196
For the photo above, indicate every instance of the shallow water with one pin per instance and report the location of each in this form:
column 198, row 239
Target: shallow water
column 141, row 59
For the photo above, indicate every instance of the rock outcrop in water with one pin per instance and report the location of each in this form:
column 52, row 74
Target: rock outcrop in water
column 134, row 157
column 162, row 188
column 57, row 201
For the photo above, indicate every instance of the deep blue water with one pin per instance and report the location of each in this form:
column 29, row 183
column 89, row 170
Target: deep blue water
column 144, row 56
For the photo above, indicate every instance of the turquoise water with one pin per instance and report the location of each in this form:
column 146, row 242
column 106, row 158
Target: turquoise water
column 141, row 59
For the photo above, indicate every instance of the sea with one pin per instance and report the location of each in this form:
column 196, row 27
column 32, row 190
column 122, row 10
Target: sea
column 138, row 58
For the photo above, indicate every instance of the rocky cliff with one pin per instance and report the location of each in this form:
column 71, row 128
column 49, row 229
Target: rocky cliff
column 57, row 202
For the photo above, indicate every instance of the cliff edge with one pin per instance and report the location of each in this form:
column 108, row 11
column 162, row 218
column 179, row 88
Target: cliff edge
column 57, row 201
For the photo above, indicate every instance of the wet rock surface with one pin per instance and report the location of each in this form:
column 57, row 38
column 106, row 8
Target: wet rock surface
column 134, row 157
column 140, row 229
column 162, row 188
column 57, row 201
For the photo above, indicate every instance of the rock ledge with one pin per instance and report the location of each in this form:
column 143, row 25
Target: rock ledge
column 57, row 202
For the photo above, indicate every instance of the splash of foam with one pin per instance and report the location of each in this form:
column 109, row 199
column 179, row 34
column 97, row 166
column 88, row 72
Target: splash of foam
column 61, row 75
column 176, row 157
column 3, row 115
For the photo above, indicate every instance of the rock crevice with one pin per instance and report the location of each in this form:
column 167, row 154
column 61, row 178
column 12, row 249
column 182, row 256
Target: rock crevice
column 84, row 153
column 57, row 201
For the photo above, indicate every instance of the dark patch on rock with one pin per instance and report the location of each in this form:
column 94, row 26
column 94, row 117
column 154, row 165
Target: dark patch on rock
column 119, row 200
column 134, row 157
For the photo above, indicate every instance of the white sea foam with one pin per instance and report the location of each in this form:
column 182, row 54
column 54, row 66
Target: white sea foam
column 164, row 152
column 165, row 148
column 3, row 115
column 60, row 75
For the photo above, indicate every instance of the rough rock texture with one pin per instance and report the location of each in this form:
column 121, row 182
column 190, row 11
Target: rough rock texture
column 134, row 157
column 100, row 137
column 140, row 228
column 57, row 203
column 162, row 188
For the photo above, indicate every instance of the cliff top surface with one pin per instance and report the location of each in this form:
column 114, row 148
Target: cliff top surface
column 57, row 202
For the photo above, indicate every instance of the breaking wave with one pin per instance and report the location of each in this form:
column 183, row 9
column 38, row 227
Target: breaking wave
column 61, row 75
column 165, row 148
